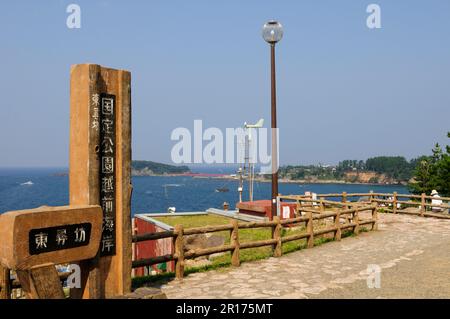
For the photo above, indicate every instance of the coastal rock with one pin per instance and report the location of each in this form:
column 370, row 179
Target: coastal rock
column 201, row 241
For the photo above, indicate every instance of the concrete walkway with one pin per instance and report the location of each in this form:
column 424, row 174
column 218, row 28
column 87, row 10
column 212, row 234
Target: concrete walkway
column 412, row 252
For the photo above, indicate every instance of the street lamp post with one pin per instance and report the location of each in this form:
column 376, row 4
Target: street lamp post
column 272, row 33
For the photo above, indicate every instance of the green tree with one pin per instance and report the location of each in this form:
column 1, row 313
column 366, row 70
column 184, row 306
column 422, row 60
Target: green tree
column 442, row 171
column 436, row 157
column 433, row 172
column 396, row 167
column 422, row 176
column 444, row 175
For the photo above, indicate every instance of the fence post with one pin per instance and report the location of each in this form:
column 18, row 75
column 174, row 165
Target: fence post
column 310, row 229
column 422, row 205
column 344, row 200
column 375, row 218
column 298, row 213
column 234, row 240
column 371, row 197
column 5, row 283
column 179, row 252
column 344, row 197
column 356, row 221
column 394, row 203
column 322, row 207
column 337, row 224
column 309, row 204
column 276, row 234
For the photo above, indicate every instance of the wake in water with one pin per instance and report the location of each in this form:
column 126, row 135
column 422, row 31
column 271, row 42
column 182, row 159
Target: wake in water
column 27, row 183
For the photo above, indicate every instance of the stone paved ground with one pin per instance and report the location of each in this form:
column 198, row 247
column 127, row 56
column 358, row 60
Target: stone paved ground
column 413, row 253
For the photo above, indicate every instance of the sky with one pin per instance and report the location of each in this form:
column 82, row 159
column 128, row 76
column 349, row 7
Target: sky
column 344, row 91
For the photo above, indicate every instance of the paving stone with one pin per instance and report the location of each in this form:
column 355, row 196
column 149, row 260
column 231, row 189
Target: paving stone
column 294, row 295
column 312, row 272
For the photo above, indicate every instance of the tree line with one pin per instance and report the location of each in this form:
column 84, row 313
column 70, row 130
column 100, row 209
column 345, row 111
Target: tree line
column 422, row 174
column 433, row 172
column 396, row 168
column 149, row 167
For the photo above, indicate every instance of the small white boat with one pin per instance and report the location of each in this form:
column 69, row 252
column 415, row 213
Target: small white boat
column 171, row 210
column 27, row 183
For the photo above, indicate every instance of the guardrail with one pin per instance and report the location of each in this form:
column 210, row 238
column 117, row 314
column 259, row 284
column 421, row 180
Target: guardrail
column 387, row 202
column 306, row 215
column 308, row 210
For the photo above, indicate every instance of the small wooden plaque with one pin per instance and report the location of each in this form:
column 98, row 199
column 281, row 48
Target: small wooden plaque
column 56, row 235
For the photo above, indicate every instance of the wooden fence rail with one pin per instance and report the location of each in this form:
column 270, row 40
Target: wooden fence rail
column 308, row 210
column 343, row 194
column 386, row 201
column 235, row 245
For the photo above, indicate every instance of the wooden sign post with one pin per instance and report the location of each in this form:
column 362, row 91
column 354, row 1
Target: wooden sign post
column 5, row 283
column 35, row 240
column 100, row 172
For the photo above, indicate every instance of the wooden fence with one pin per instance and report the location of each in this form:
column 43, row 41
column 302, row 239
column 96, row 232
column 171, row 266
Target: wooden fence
column 386, row 202
column 308, row 210
column 306, row 215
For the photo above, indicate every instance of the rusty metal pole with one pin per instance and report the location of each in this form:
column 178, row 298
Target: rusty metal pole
column 274, row 133
column 272, row 33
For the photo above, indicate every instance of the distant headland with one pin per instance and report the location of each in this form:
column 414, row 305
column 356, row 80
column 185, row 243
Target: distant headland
column 149, row 168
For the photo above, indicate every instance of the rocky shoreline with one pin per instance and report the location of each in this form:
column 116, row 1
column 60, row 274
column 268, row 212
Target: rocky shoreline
column 263, row 180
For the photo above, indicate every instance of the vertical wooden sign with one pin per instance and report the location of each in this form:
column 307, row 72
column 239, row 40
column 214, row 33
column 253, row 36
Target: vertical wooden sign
column 100, row 171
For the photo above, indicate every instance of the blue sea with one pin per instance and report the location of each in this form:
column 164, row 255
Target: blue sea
column 30, row 188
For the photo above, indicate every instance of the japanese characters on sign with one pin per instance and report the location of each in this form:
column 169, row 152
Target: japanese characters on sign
column 107, row 110
column 45, row 240
column 95, row 101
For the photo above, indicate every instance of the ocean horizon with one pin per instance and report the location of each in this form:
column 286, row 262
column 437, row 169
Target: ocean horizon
column 25, row 188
